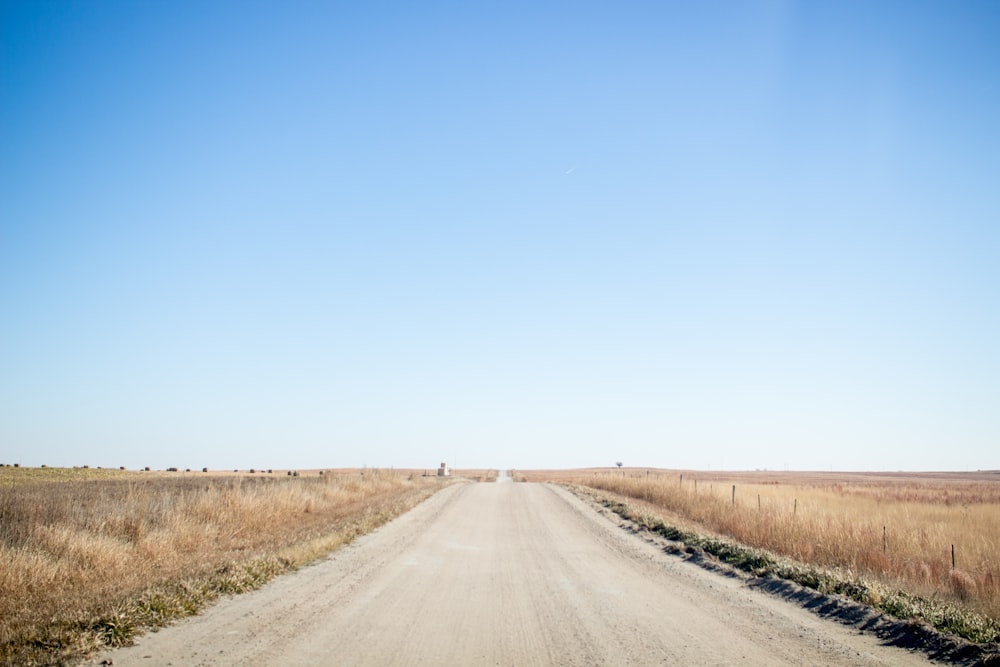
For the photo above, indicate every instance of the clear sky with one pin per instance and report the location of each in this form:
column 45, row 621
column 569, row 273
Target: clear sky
column 681, row 234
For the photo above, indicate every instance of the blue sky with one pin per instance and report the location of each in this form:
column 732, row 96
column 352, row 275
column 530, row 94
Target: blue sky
column 690, row 235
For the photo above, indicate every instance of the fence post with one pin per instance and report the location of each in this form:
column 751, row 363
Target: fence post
column 953, row 556
column 734, row 494
column 885, row 540
column 795, row 507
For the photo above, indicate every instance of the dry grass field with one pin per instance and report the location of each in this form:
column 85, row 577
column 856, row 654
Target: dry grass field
column 897, row 529
column 89, row 556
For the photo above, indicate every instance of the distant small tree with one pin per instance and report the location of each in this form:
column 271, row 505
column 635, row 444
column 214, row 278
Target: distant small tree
column 619, row 464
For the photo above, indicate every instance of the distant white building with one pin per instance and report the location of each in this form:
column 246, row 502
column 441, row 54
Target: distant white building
column 443, row 470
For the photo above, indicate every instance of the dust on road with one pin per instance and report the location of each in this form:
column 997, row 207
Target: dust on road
column 506, row 574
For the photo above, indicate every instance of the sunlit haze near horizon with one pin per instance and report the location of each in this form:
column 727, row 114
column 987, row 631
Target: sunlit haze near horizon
column 685, row 235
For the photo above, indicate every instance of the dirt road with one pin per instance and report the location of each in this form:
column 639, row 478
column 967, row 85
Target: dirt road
column 506, row 574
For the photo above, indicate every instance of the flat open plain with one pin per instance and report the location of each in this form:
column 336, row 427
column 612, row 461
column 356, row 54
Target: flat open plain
column 506, row 574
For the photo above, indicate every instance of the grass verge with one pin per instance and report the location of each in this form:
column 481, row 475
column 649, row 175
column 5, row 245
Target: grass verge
column 941, row 615
column 87, row 564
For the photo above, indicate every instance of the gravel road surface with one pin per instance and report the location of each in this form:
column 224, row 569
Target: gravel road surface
column 506, row 574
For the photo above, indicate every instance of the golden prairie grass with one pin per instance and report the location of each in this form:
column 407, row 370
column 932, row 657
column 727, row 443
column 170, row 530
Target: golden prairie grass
column 898, row 529
column 87, row 558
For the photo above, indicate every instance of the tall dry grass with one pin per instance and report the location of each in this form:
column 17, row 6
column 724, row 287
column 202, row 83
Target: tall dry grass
column 81, row 559
column 897, row 530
